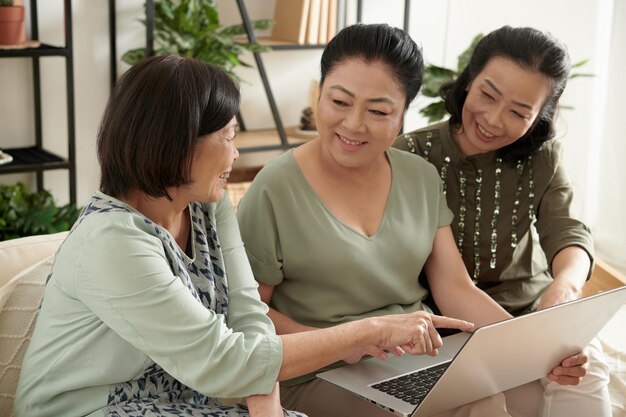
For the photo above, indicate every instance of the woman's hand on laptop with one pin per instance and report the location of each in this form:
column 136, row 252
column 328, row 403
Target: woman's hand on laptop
column 571, row 370
column 374, row 351
column 415, row 333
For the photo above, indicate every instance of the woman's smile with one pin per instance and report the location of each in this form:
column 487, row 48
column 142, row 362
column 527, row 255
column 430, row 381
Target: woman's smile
column 348, row 144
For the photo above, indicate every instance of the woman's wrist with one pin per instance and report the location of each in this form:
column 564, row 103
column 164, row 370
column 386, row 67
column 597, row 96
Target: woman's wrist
column 368, row 332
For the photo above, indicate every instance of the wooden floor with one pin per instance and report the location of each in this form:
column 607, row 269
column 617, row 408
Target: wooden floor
column 604, row 277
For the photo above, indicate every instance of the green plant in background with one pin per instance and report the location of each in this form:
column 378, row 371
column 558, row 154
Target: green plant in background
column 435, row 77
column 24, row 213
column 192, row 28
column 6, row 3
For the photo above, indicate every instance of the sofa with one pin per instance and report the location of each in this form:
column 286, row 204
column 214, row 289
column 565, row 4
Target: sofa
column 26, row 262
column 24, row 266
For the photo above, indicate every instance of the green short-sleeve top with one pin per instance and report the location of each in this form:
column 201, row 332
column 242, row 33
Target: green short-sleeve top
column 326, row 273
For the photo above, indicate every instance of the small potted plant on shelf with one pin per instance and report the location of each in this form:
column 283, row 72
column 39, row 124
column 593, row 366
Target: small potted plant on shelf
column 11, row 23
column 192, row 28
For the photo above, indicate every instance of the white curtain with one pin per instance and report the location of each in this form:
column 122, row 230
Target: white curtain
column 605, row 200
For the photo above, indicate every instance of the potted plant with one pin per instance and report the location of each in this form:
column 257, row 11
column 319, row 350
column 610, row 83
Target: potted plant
column 435, row 77
column 25, row 213
column 11, row 23
column 192, row 28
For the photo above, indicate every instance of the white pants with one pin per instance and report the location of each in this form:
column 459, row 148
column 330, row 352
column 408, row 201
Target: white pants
column 542, row 398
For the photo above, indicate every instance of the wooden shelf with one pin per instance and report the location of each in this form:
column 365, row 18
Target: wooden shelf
column 258, row 147
column 278, row 45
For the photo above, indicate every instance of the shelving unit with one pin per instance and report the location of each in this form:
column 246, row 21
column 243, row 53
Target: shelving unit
column 36, row 158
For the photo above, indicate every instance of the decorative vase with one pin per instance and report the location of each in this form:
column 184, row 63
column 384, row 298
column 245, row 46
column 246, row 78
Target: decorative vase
column 12, row 25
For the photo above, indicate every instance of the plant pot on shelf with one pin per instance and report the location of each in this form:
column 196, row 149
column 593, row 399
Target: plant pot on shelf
column 12, row 25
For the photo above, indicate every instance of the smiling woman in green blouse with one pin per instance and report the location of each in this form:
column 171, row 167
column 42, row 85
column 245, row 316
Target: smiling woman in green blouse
column 339, row 229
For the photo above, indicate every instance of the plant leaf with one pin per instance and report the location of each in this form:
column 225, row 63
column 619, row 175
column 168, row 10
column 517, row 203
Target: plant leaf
column 465, row 56
column 434, row 77
column 434, row 111
column 192, row 28
column 134, row 55
column 581, row 74
column 23, row 213
column 580, row 63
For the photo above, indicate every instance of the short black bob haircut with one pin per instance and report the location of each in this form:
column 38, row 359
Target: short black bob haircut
column 160, row 109
column 532, row 49
column 378, row 42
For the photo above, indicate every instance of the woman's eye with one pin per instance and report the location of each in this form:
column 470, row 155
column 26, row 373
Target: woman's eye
column 521, row 116
column 378, row 112
column 339, row 102
column 487, row 96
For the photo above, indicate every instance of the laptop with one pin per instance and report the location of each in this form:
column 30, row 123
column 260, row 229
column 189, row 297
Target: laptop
column 471, row 366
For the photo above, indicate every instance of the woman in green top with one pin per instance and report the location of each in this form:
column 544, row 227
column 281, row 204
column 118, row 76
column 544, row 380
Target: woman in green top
column 504, row 179
column 151, row 308
column 340, row 228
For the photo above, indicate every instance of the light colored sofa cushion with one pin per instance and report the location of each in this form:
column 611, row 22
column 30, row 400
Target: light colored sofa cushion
column 25, row 265
column 19, row 254
column 19, row 303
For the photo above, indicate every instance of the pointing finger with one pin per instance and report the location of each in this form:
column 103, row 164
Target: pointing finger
column 450, row 323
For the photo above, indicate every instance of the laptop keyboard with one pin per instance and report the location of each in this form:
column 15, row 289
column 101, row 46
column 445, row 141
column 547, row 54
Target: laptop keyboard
column 412, row 387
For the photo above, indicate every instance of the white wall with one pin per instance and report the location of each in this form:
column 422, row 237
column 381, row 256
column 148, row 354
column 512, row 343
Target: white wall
column 606, row 201
column 593, row 29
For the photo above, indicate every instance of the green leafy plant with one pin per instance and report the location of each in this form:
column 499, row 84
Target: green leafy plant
column 192, row 28
column 6, row 3
column 435, row 77
column 25, row 213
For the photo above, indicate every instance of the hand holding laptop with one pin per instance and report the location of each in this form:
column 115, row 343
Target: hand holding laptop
column 571, row 370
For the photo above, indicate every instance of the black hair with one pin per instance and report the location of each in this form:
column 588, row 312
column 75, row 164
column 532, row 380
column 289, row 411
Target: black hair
column 160, row 109
column 378, row 42
column 532, row 49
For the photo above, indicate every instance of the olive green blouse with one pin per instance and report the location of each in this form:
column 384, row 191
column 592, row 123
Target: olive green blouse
column 510, row 219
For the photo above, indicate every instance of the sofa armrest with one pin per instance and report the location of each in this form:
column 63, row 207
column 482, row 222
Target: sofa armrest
column 18, row 254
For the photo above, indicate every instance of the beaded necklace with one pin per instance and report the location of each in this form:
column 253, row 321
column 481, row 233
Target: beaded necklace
column 520, row 167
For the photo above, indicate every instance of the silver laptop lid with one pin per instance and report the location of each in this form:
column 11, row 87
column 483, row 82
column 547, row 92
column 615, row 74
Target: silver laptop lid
column 495, row 358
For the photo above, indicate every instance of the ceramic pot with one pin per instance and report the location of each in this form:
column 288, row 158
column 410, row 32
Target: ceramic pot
column 12, row 25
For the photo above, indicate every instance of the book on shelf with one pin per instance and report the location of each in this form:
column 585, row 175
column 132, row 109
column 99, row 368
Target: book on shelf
column 313, row 24
column 290, row 20
column 332, row 20
column 322, row 36
column 307, row 21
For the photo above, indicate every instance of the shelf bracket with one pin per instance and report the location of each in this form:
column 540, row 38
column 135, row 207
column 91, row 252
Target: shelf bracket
column 261, row 67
